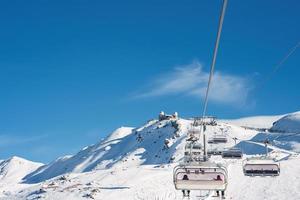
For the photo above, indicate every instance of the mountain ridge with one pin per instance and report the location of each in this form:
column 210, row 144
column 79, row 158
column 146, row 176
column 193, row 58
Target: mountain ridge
column 153, row 148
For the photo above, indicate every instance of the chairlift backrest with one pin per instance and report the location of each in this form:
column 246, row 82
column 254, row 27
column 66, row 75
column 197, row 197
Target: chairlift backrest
column 217, row 139
column 200, row 178
column 232, row 153
column 261, row 167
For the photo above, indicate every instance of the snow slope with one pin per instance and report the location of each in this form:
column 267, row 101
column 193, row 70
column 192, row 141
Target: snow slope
column 151, row 182
column 119, row 133
column 137, row 163
column 142, row 145
column 85, row 160
column 15, row 168
column 288, row 123
column 156, row 142
column 255, row 122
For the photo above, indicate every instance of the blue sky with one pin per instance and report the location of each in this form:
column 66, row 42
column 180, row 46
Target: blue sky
column 73, row 71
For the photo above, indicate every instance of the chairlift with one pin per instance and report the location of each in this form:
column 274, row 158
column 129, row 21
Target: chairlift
column 200, row 177
column 261, row 166
column 193, row 152
column 232, row 153
column 217, row 139
column 193, row 134
column 215, row 151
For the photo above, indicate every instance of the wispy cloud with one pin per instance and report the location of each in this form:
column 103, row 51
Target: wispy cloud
column 11, row 140
column 191, row 80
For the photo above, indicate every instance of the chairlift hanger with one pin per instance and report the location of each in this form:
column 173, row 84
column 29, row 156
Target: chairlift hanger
column 261, row 166
column 208, row 176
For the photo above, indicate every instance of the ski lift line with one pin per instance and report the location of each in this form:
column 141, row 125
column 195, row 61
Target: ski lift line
column 198, row 173
column 276, row 68
column 261, row 143
column 274, row 148
column 274, row 139
column 278, row 137
column 221, row 20
column 268, row 141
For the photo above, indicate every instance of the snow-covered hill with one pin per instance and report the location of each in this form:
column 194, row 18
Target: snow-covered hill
column 89, row 158
column 14, row 169
column 260, row 122
column 288, row 123
column 126, row 145
column 155, row 143
column 137, row 163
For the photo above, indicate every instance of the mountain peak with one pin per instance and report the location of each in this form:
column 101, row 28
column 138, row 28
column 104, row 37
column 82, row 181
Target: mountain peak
column 15, row 168
column 120, row 133
column 17, row 158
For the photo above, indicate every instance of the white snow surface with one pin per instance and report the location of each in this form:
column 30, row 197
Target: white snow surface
column 288, row 123
column 255, row 122
column 137, row 163
column 13, row 170
column 119, row 133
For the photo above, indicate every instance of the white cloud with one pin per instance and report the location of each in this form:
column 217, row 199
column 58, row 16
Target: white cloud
column 192, row 80
column 10, row 140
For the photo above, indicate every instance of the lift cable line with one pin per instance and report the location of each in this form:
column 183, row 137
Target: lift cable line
column 212, row 68
column 196, row 172
column 276, row 68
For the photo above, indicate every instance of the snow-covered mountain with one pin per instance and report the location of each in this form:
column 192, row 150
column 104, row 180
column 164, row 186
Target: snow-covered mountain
column 14, row 169
column 137, row 163
column 89, row 158
column 128, row 146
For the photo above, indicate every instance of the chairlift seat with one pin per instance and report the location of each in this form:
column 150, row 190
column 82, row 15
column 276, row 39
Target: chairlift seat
column 217, row 139
column 232, row 153
column 200, row 177
column 194, row 145
column 193, row 152
column 261, row 167
column 215, row 151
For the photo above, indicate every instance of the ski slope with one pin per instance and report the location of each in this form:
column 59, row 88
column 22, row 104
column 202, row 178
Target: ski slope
column 152, row 182
column 137, row 163
column 260, row 122
column 288, row 123
column 12, row 172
